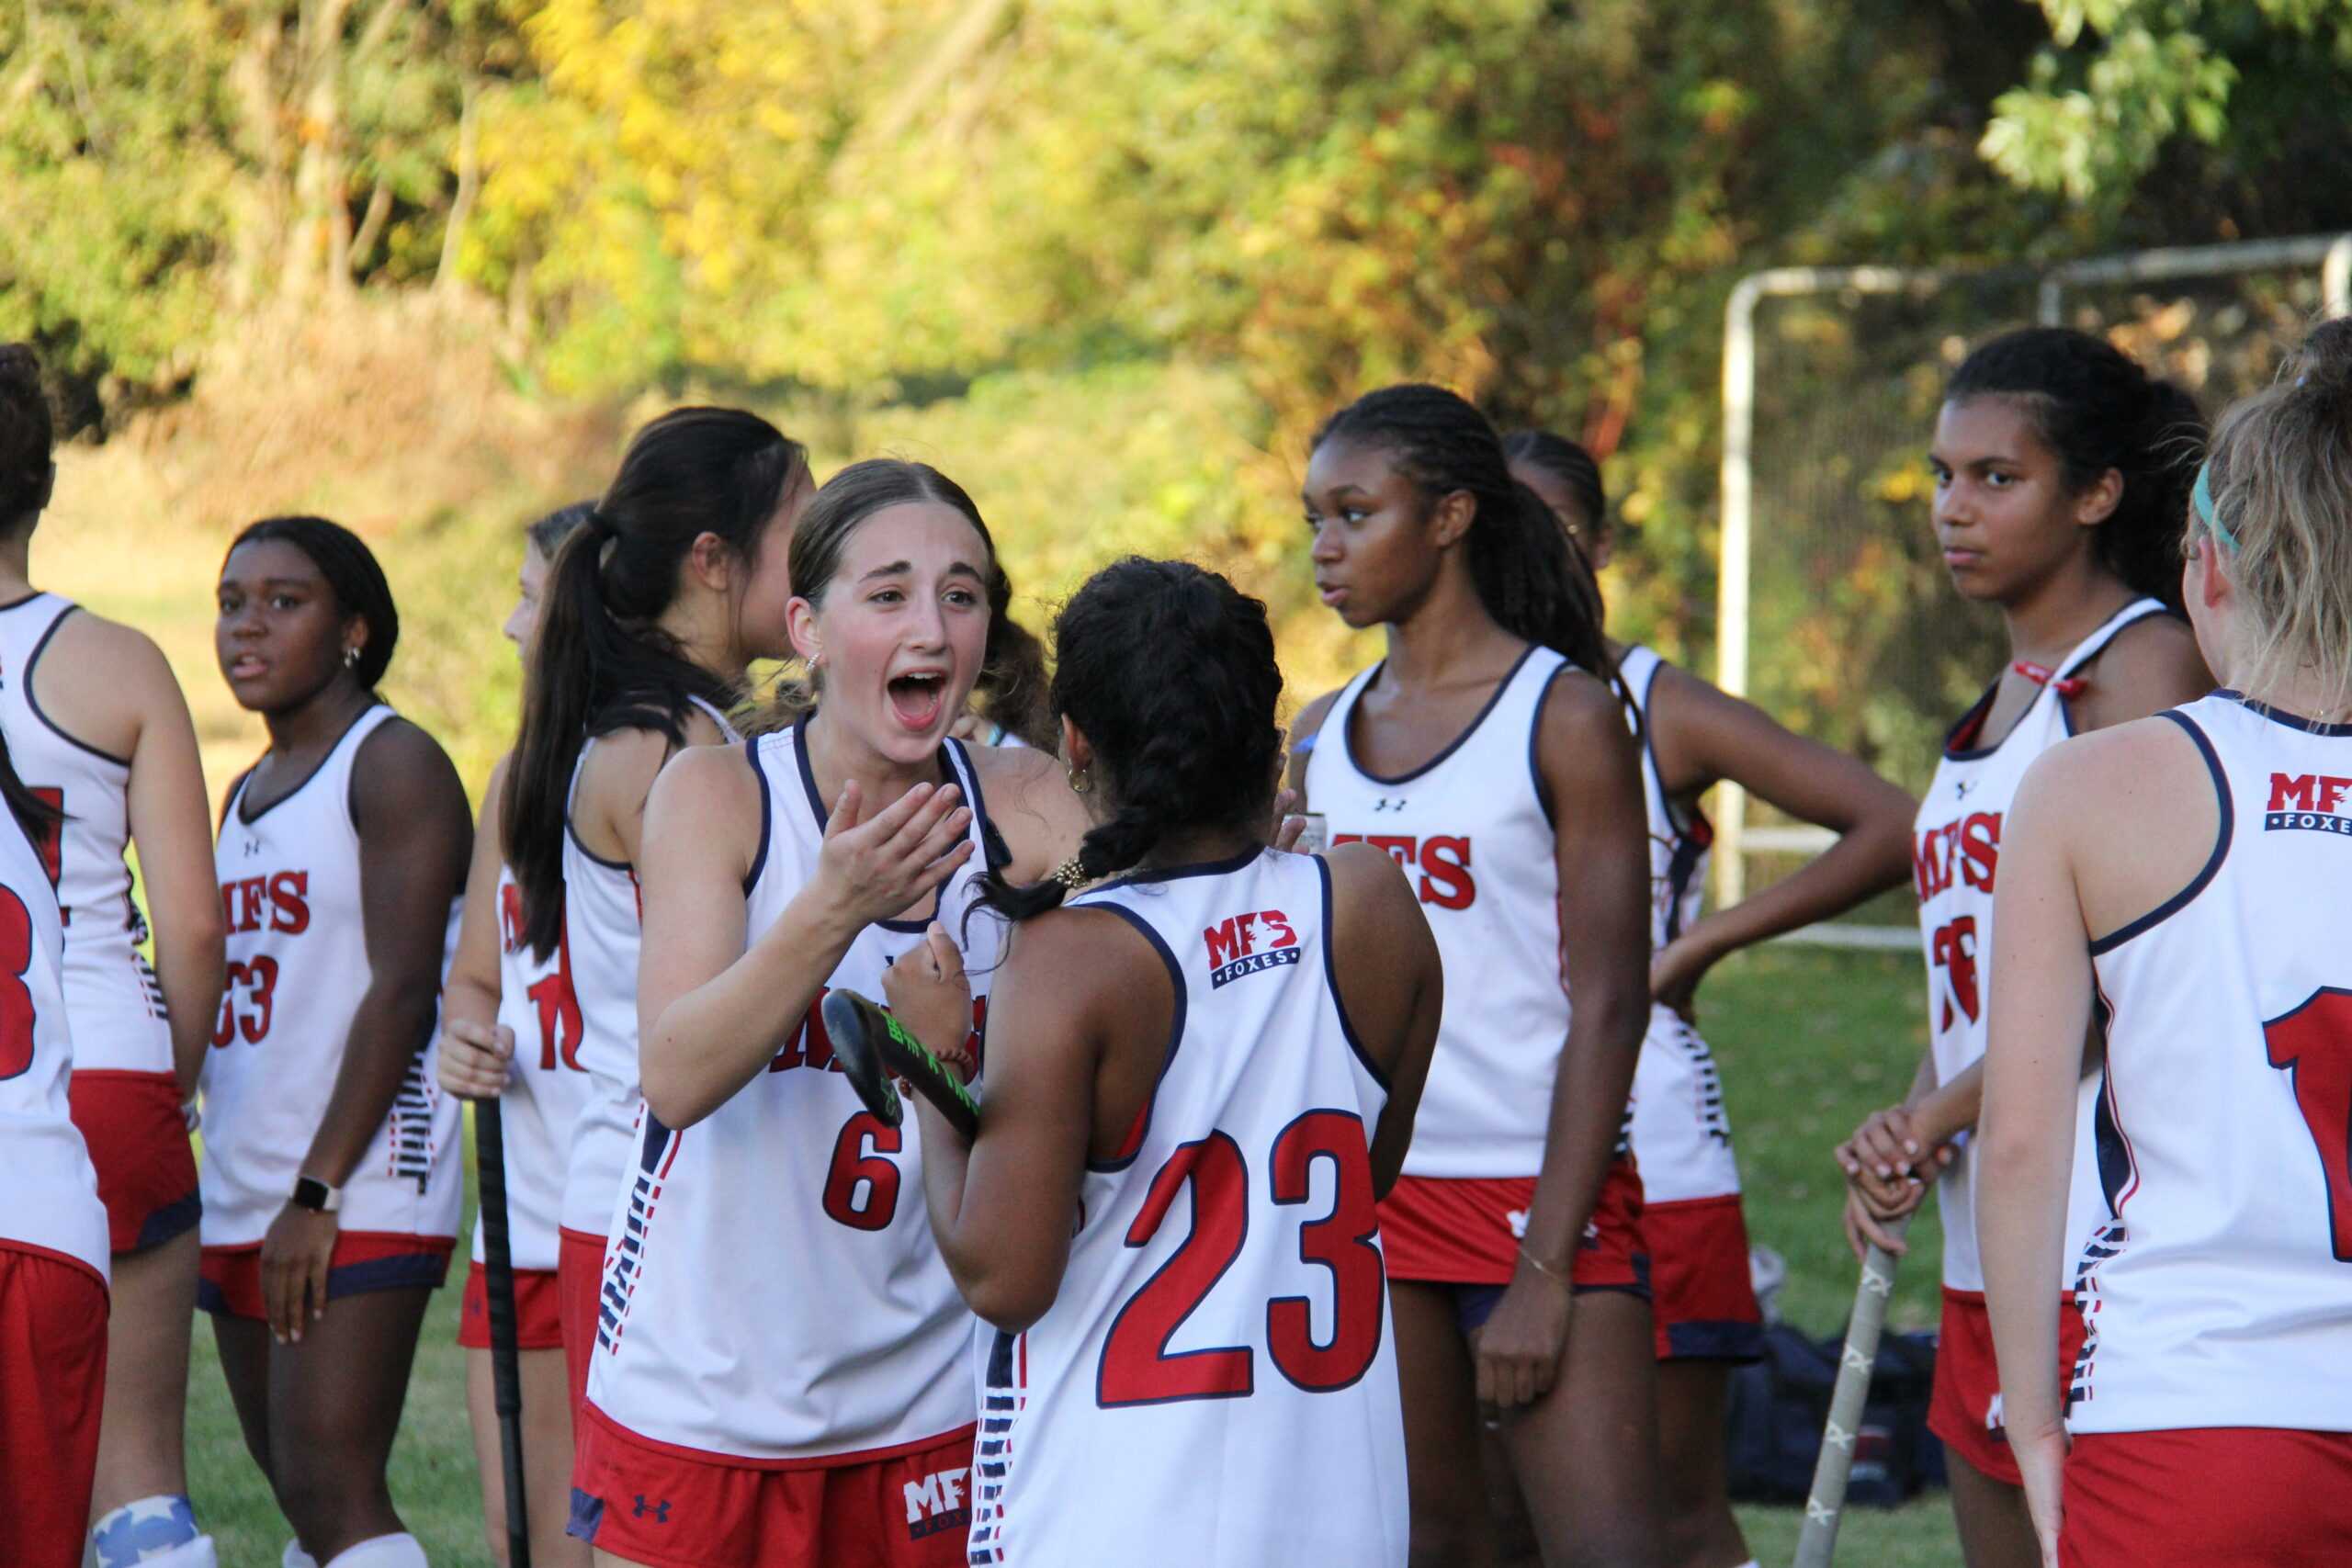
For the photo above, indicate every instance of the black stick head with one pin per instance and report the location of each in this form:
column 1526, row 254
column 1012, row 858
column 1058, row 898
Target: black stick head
column 857, row 1027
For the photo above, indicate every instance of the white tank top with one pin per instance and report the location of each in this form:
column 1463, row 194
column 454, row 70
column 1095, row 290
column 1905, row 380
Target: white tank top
column 1955, row 853
column 772, row 1290
column 2219, row 1291
column 551, row 1086
column 52, row 1190
column 1679, row 843
column 1473, row 833
column 298, row 969
column 117, row 1007
column 603, row 927
column 1221, row 1335
column 1679, row 1131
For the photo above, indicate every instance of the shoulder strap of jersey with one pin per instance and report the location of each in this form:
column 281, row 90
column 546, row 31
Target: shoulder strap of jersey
column 728, row 733
column 1639, row 670
column 2091, row 647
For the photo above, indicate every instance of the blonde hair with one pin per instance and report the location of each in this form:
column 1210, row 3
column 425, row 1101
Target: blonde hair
column 2281, row 482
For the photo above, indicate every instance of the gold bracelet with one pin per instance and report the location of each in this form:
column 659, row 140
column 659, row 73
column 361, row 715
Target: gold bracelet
column 1544, row 1268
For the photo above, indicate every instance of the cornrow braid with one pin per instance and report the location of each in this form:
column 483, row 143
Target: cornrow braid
column 1532, row 579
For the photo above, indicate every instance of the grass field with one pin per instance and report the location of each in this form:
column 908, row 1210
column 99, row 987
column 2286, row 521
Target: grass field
column 1809, row 1039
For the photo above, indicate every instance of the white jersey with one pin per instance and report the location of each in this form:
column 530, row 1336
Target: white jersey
column 1681, row 1134
column 1472, row 831
column 549, row 1090
column 603, row 927
column 53, row 1189
column 1956, row 851
column 297, row 970
column 117, row 1007
column 772, row 1290
column 2219, row 1291
column 1215, row 1381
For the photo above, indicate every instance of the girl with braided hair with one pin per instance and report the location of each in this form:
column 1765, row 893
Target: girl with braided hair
column 1203, row 1070
column 1692, row 736
column 1488, row 753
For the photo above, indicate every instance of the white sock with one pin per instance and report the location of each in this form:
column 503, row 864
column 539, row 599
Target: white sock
column 400, row 1551
column 295, row 1557
column 153, row 1532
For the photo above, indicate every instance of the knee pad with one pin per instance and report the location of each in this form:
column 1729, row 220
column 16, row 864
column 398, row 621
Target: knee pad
column 384, row 1551
column 153, row 1532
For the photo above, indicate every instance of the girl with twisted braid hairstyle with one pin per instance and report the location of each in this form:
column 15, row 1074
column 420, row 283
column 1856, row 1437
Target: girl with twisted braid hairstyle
column 1184, row 1010
column 1694, row 735
column 1490, row 755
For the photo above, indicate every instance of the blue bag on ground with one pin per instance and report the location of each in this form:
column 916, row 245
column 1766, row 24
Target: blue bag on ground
column 1777, row 1405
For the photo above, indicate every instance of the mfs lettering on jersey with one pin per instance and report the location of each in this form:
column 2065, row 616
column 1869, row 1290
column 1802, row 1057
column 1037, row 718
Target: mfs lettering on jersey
column 1442, row 859
column 2307, row 803
column 1234, row 950
column 280, row 902
column 1969, row 849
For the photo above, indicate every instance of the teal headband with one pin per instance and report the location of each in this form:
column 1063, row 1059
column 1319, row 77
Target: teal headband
column 2201, row 498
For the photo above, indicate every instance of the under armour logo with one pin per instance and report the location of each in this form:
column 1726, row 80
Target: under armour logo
column 1962, row 786
column 253, row 846
column 1386, row 803
column 660, row 1511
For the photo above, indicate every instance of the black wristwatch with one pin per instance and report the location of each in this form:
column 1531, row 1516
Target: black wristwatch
column 316, row 1196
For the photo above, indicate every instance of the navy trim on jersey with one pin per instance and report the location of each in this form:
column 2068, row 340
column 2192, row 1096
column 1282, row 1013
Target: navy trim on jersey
column 962, row 779
column 246, row 777
column 1975, row 716
column 572, row 795
column 1348, row 743
column 1175, row 1029
column 1535, row 736
column 2084, row 655
column 995, row 852
column 2181, row 899
column 32, row 662
column 1241, row 861
column 20, row 604
column 1331, row 981
column 2109, row 1119
column 767, row 815
column 2280, row 716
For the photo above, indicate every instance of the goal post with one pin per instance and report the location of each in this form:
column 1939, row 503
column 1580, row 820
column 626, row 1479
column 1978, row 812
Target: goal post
column 1822, row 554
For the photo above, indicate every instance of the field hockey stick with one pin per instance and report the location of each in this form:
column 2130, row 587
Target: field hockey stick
column 875, row 1051
column 1826, row 1505
column 505, row 1363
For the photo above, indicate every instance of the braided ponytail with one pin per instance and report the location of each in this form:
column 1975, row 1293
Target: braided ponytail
column 1199, row 752
column 1532, row 579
